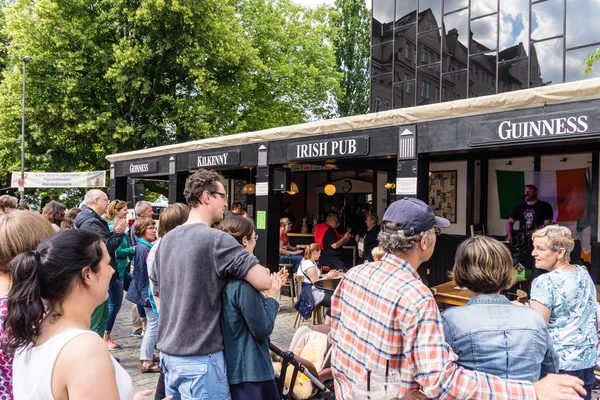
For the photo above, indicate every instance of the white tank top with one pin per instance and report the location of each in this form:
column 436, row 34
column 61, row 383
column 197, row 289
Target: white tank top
column 32, row 369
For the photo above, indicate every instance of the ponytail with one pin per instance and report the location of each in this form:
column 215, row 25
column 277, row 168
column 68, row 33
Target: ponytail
column 25, row 305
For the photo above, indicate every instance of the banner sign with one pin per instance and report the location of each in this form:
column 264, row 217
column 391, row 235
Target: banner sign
column 329, row 149
column 146, row 167
column 214, row 160
column 60, row 179
column 560, row 125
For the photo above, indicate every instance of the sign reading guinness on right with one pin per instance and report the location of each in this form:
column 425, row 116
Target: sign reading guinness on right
column 527, row 129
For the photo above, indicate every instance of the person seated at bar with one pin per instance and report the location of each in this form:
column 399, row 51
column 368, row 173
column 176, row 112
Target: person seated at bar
column 311, row 272
column 490, row 334
column 331, row 242
column 369, row 237
column 287, row 254
column 566, row 299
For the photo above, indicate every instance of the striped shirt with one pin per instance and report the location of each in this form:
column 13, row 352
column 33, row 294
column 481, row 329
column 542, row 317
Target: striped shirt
column 382, row 311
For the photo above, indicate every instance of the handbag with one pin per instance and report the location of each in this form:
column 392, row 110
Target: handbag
column 306, row 302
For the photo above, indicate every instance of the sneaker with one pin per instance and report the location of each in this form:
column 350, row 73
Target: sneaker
column 112, row 345
column 136, row 334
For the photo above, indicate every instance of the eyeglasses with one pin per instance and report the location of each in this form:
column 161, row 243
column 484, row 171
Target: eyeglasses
column 438, row 231
column 104, row 198
column 152, row 227
column 223, row 195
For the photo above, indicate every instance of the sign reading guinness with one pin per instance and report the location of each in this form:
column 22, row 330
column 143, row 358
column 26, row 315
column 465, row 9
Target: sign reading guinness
column 214, row 160
column 336, row 148
column 519, row 130
column 147, row 167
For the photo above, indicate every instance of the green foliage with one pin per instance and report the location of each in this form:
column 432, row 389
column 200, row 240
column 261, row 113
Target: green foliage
column 352, row 51
column 109, row 76
column 589, row 62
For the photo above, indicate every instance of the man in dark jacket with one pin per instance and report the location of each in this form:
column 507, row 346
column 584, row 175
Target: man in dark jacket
column 90, row 219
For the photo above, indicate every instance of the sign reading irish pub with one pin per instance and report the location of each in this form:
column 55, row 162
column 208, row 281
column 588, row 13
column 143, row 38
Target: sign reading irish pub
column 527, row 129
column 329, row 149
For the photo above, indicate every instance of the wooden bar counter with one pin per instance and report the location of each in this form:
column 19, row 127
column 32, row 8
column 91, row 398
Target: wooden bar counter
column 448, row 293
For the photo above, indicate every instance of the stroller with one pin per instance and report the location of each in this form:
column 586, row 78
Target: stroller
column 304, row 372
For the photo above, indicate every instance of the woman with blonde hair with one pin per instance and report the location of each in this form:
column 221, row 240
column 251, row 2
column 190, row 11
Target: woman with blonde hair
column 19, row 232
column 566, row 299
column 490, row 334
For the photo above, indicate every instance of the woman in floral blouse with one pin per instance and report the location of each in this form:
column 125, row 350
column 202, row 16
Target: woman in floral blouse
column 566, row 298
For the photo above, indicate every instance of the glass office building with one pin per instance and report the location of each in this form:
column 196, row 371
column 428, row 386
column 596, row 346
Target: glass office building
column 429, row 51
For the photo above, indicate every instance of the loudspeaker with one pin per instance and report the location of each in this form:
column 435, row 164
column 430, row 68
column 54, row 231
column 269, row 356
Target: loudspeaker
column 282, row 178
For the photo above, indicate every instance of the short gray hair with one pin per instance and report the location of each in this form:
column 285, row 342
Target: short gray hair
column 393, row 241
column 558, row 237
column 141, row 206
column 91, row 195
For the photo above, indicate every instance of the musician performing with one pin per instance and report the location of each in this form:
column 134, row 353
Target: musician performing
column 532, row 215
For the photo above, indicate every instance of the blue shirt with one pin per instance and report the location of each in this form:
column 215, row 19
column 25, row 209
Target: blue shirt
column 571, row 298
column 492, row 335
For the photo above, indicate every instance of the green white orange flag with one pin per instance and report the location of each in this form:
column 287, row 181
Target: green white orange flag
column 566, row 190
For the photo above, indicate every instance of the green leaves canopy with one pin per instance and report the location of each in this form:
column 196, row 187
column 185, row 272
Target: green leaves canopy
column 109, row 76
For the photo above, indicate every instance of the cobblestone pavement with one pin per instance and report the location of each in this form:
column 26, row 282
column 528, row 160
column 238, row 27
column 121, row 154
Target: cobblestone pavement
column 129, row 355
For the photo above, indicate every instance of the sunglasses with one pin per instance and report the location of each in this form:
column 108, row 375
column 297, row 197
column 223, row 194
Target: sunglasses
column 223, row 195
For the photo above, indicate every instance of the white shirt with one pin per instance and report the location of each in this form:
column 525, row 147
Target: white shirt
column 318, row 294
column 32, row 369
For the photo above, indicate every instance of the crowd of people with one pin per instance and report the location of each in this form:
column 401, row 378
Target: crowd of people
column 209, row 307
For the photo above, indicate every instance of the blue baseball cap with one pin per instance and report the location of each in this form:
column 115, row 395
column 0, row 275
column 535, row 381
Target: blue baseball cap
column 412, row 216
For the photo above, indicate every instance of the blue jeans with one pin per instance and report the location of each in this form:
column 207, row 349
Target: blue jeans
column 149, row 340
column 587, row 376
column 295, row 259
column 195, row 377
column 115, row 299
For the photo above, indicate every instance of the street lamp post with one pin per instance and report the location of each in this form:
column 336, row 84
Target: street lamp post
column 26, row 59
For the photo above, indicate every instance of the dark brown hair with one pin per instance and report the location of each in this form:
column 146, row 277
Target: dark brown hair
column 483, row 265
column 199, row 182
column 142, row 224
column 171, row 217
column 43, row 278
column 21, row 231
column 237, row 226
column 55, row 212
column 7, row 201
column 69, row 221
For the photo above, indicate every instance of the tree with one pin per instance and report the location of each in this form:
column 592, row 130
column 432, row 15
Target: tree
column 589, row 62
column 352, row 55
column 108, row 76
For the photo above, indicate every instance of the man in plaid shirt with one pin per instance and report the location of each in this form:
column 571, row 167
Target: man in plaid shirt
column 382, row 311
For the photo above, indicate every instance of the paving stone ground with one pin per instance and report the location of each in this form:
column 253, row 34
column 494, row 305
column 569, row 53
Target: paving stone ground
column 129, row 355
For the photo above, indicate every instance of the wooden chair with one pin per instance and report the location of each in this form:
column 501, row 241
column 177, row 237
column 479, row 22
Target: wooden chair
column 290, row 269
column 317, row 316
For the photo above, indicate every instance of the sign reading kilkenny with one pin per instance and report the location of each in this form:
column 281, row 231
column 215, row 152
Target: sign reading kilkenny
column 328, row 149
column 518, row 130
column 146, row 167
column 214, row 160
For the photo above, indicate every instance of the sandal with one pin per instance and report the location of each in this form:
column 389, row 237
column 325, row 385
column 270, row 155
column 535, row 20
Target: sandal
column 156, row 359
column 150, row 369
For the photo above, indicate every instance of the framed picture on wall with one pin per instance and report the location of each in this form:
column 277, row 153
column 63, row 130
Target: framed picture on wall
column 442, row 194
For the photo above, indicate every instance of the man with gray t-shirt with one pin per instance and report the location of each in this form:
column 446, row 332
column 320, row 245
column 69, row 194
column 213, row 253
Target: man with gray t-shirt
column 192, row 263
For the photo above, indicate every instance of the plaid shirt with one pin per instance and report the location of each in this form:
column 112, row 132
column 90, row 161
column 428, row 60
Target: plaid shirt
column 382, row 311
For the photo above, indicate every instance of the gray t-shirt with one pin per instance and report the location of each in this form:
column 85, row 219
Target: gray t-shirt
column 191, row 267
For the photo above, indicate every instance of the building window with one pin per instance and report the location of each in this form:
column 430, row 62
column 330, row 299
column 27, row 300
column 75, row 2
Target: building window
column 408, row 85
column 437, row 94
column 443, row 93
column 388, row 105
column 377, row 104
column 427, row 91
column 405, row 77
column 428, row 56
column 408, row 52
column 422, row 89
column 423, row 55
column 415, row 55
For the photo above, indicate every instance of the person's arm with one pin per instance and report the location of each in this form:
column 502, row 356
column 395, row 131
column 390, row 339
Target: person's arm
column 545, row 311
column 550, row 363
column 311, row 272
column 258, row 276
column 124, row 250
column 509, row 227
column 342, row 241
column 259, row 313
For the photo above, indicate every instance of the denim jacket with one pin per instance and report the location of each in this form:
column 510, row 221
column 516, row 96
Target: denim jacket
column 492, row 335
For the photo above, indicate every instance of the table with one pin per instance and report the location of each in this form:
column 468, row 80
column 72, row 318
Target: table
column 447, row 293
column 598, row 293
column 328, row 285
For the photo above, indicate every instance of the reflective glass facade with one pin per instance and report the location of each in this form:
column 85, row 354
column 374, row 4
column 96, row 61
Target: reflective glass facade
column 428, row 51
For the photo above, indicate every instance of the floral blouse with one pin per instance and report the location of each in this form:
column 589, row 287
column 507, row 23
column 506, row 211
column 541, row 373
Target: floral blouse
column 5, row 360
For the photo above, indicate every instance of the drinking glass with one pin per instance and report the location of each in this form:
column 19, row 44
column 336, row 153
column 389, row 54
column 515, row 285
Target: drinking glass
column 359, row 392
column 390, row 384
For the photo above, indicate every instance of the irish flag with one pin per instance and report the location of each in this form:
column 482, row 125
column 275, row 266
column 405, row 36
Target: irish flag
column 566, row 190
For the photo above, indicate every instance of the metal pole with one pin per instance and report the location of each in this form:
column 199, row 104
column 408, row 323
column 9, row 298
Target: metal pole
column 26, row 59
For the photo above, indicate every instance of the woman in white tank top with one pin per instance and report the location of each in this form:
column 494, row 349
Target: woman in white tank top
column 55, row 290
